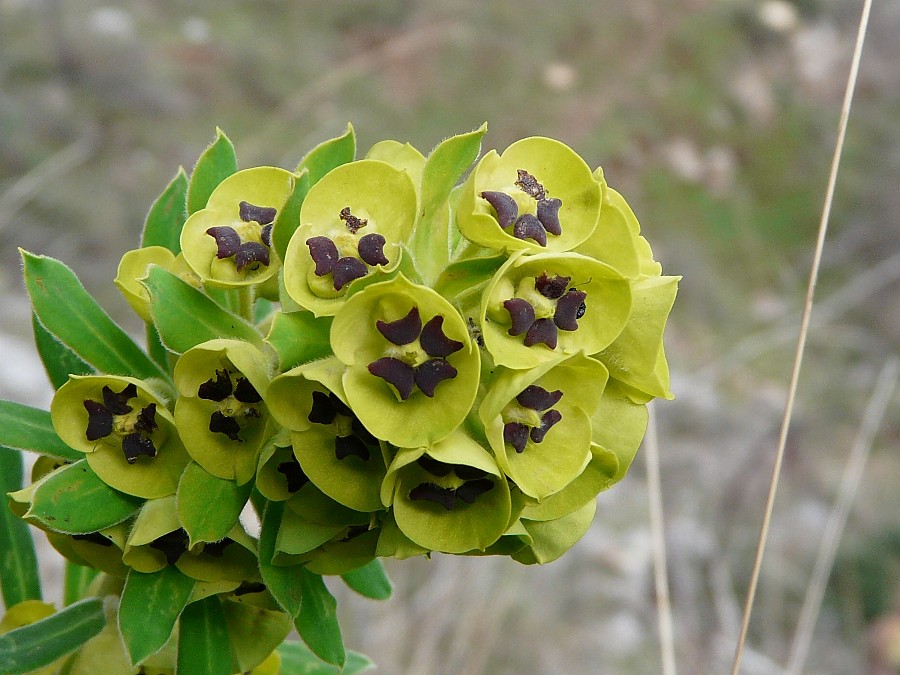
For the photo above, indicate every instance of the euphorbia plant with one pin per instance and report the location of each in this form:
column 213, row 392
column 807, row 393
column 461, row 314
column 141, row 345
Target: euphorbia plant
column 379, row 356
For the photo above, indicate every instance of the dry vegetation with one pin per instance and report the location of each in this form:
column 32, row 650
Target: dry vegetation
column 716, row 119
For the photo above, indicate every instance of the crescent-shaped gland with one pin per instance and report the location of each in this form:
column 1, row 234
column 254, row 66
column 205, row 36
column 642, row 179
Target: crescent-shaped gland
column 222, row 424
column 567, row 308
column 433, row 466
column 443, row 496
column 227, row 239
column 100, row 421
column 473, row 489
column 217, row 389
column 521, row 313
column 504, row 205
column 348, row 269
column 435, row 342
column 538, row 398
column 516, row 434
column 134, row 445
column 261, row 214
column 431, row 373
column 542, row 331
column 548, row 214
column 323, row 410
column 548, row 419
column 371, row 250
column 551, row 287
column 117, row 404
column 397, row 373
column 251, row 252
column 402, row 331
column 347, row 446
column 324, row 253
column 246, row 392
column 528, row 226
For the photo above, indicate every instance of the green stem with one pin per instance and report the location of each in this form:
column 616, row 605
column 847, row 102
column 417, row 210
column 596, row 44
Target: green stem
column 245, row 302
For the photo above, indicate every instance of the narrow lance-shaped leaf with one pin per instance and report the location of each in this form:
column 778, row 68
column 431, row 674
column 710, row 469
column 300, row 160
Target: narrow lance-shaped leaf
column 39, row 644
column 74, row 500
column 77, row 580
column 157, row 349
column 288, row 219
column 317, row 621
column 19, row 579
column 203, row 645
column 59, row 361
column 209, row 507
column 370, row 581
column 185, row 317
column 329, row 154
column 69, row 313
column 150, row 606
column 283, row 582
column 216, row 163
column 167, row 215
column 297, row 659
column 443, row 169
column 26, row 428
column 299, row 337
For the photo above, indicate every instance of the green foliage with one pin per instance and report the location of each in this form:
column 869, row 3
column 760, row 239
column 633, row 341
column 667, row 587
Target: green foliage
column 383, row 361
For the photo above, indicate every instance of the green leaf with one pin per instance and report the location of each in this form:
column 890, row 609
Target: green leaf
column 203, row 645
column 297, row 659
column 329, row 154
column 74, row 500
column 443, row 168
column 150, row 606
column 216, row 163
column 283, row 582
column 288, row 219
column 70, row 314
column 208, row 507
column 19, row 579
column 370, row 581
column 77, row 580
column 26, row 428
column 317, row 621
column 43, row 642
column 255, row 632
column 446, row 165
column 299, row 337
column 59, row 361
column 157, row 349
column 185, row 317
column 167, row 215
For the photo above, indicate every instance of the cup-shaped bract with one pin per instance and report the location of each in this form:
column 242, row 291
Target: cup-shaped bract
column 220, row 410
column 538, row 196
column 449, row 497
column 352, row 224
column 123, row 427
column 538, row 307
column 133, row 267
column 229, row 243
column 538, row 422
column 412, row 370
column 333, row 448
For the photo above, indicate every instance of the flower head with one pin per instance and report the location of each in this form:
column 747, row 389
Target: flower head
column 409, row 358
column 125, row 430
column 220, row 411
column 538, row 307
column 352, row 223
column 229, row 243
column 536, row 196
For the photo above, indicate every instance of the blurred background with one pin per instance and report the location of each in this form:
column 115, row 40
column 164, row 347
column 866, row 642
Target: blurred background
column 715, row 118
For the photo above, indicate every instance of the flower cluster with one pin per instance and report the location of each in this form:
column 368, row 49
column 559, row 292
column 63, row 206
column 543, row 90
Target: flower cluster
column 393, row 362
